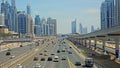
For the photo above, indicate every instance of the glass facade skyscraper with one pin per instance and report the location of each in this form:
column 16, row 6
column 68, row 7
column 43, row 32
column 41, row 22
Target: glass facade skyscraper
column 80, row 28
column 28, row 9
column 117, row 12
column 22, row 23
column 74, row 27
column 107, row 14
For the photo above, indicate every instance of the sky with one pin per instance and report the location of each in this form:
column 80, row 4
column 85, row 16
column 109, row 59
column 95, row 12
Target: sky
column 86, row 12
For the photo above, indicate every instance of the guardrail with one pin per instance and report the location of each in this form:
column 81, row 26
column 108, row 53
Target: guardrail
column 18, row 40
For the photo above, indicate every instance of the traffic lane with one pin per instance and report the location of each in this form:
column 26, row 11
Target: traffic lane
column 75, row 57
column 51, row 64
column 62, row 63
column 30, row 56
column 15, row 51
column 30, row 63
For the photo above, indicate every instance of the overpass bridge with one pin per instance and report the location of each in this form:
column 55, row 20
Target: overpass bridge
column 100, row 35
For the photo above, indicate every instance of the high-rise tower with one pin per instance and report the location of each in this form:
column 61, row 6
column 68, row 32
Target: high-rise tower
column 28, row 9
column 74, row 27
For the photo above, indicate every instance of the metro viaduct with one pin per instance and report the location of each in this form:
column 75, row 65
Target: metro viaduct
column 103, row 35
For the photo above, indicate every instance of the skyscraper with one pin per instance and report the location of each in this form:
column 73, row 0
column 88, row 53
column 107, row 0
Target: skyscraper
column 85, row 30
column 117, row 12
column 107, row 14
column 38, row 26
column 28, row 9
column 54, row 22
column 14, row 16
column 92, row 28
column 52, row 26
column 30, row 27
column 37, row 20
column 22, row 23
column 74, row 27
column 5, row 9
column 1, row 19
column 2, row 6
column 44, row 26
column 80, row 28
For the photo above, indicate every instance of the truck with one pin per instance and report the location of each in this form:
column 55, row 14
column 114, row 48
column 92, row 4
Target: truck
column 89, row 62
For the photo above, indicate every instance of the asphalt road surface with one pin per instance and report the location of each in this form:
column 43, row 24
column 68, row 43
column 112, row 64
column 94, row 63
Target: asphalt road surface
column 25, row 55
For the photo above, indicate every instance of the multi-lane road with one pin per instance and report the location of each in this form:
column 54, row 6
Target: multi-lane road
column 25, row 56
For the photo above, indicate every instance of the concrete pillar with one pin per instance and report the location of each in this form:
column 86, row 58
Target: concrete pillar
column 89, row 43
column 95, row 42
column 79, row 42
column 117, row 49
column 85, row 42
column 82, row 42
column 103, row 45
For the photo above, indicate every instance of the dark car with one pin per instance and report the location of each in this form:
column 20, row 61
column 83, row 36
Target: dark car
column 8, row 53
column 45, row 50
column 63, row 58
column 41, row 54
column 42, row 59
column 69, row 52
column 63, row 50
column 49, row 58
column 78, row 63
column 35, row 59
column 21, row 45
column 52, row 54
column 58, row 51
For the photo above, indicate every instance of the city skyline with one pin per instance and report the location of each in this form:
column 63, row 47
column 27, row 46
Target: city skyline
column 65, row 12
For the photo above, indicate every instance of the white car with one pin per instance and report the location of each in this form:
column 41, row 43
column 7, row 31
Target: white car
column 37, row 65
column 56, row 57
column 19, row 66
column 12, row 56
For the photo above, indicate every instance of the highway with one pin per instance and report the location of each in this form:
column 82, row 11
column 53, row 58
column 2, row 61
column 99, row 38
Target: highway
column 25, row 55
column 52, row 49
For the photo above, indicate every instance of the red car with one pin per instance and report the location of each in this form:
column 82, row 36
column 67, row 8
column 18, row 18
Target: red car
column 35, row 59
column 42, row 59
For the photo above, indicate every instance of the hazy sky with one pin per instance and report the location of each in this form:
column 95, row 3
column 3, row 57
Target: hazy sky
column 86, row 12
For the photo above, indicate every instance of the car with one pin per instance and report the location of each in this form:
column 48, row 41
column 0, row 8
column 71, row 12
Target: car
column 42, row 59
column 12, row 56
column 58, row 51
column 19, row 66
column 63, row 58
column 56, row 57
column 78, row 63
column 21, row 45
column 35, row 59
column 45, row 50
column 69, row 52
column 41, row 54
column 8, row 53
column 45, row 54
column 37, row 65
column 70, row 47
column 49, row 58
column 89, row 62
column 52, row 54
column 63, row 50
column 56, row 60
column 59, row 45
